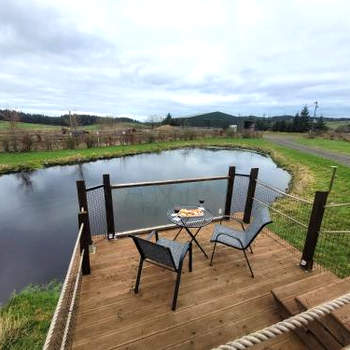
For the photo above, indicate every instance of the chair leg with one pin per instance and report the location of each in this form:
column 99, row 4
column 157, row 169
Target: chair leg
column 176, row 291
column 190, row 258
column 251, row 250
column 212, row 255
column 136, row 289
column 245, row 255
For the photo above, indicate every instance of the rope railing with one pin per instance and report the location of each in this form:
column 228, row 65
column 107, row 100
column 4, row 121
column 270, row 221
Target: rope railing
column 279, row 212
column 275, row 189
column 59, row 336
column 287, row 325
column 73, row 303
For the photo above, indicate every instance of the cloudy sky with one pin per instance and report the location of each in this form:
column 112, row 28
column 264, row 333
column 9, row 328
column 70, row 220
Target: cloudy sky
column 142, row 58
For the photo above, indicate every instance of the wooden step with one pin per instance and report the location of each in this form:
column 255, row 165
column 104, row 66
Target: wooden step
column 337, row 324
column 285, row 297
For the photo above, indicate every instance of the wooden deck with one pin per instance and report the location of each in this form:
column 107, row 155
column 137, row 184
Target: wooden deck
column 215, row 305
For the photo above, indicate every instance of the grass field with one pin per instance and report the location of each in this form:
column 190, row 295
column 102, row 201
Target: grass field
column 336, row 123
column 25, row 320
column 32, row 126
column 29, row 126
column 310, row 173
column 328, row 145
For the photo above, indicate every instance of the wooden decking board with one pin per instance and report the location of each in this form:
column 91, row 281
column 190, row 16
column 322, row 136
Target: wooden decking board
column 223, row 266
column 215, row 304
column 199, row 289
column 127, row 315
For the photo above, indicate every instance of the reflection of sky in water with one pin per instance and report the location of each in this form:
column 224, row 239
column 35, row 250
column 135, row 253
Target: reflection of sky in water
column 38, row 210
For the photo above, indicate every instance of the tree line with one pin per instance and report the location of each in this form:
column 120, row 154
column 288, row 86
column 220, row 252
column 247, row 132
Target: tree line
column 63, row 120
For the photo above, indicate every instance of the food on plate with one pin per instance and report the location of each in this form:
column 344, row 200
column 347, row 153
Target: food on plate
column 186, row 213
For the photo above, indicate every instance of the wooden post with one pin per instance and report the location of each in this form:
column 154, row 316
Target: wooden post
column 84, row 242
column 229, row 191
column 83, row 203
column 109, row 206
column 313, row 230
column 250, row 195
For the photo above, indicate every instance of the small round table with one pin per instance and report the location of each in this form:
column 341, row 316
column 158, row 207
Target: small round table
column 196, row 222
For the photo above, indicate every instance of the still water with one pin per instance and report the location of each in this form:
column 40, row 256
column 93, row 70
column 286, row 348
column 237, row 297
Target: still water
column 38, row 210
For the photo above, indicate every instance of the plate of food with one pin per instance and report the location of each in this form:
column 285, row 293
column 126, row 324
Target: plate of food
column 190, row 212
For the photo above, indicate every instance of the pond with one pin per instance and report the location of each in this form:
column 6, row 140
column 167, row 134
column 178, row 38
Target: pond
column 38, row 210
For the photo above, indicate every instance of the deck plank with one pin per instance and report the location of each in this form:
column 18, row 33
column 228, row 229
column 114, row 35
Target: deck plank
column 215, row 304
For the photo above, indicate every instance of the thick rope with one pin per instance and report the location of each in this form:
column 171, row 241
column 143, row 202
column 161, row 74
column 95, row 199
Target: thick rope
column 286, row 325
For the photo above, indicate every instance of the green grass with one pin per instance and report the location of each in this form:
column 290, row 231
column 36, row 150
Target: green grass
column 336, row 123
column 32, row 126
column 326, row 144
column 25, row 319
column 10, row 162
column 29, row 126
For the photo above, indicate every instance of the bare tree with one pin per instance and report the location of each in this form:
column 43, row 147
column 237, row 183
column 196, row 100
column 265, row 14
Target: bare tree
column 12, row 117
column 154, row 120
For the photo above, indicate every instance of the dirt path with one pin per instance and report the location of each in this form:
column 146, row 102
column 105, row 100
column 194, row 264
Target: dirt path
column 289, row 141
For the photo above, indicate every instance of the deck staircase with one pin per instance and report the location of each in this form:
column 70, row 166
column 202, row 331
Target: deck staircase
column 331, row 332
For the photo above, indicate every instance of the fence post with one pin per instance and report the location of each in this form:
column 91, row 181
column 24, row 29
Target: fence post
column 83, row 203
column 250, row 195
column 313, row 230
column 229, row 191
column 109, row 206
column 84, row 242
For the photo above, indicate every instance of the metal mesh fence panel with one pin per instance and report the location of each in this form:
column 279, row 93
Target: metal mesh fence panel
column 333, row 246
column 97, row 211
column 290, row 215
column 142, row 207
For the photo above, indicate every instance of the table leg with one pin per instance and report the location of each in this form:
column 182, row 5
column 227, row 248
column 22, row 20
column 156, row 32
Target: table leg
column 174, row 239
column 195, row 240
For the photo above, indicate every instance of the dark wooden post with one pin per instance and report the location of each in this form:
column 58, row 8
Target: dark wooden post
column 250, row 195
column 313, row 230
column 83, row 203
column 109, row 206
column 229, row 191
column 84, row 242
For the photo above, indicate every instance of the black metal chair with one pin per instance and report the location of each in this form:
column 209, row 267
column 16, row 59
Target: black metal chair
column 238, row 239
column 164, row 253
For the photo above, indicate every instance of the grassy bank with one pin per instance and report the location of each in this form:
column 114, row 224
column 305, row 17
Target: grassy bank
column 25, row 319
column 10, row 162
column 327, row 145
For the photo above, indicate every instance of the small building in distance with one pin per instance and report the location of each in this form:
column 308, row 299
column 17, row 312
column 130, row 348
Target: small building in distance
column 249, row 125
column 233, row 127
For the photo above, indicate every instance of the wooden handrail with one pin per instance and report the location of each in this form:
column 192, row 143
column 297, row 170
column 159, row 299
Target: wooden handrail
column 168, row 182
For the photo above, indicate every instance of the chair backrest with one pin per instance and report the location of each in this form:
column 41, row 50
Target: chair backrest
column 260, row 220
column 153, row 251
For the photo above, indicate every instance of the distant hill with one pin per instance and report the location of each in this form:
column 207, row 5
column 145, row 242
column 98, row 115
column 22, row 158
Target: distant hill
column 209, row 120
column 63, row 120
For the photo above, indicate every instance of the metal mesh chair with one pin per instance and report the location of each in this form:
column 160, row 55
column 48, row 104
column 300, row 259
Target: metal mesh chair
column 241, row 240
column 164, row 253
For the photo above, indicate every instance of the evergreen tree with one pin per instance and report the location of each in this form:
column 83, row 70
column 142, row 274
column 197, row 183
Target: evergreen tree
column 320, row 124
column 305, row 119
column 167, row 120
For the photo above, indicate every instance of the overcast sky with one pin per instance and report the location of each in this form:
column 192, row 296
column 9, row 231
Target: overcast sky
column 141, row 58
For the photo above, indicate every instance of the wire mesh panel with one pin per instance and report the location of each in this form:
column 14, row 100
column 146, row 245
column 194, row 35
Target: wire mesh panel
column 333, row 246
column 97, row 211
column 142, row 207
column 290, row 214
column 239, row 195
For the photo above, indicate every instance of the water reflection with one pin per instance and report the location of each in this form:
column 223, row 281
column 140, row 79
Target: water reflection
column 25, row 181
column 38, row 210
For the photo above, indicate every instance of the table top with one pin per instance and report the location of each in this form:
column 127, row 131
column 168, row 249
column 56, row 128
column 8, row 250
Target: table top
column 195, row 221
